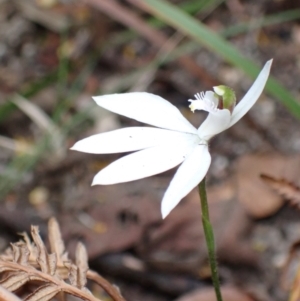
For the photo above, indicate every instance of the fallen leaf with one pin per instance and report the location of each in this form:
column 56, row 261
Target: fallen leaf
column 115, row 220
column 284, row 188
column 178, row 243
column 259, row 199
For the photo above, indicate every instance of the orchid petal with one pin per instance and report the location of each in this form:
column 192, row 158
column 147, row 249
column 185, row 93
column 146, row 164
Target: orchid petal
column 252, row 95
column 210, row 95
column 206, row 102
column 147, row 108
column 145, row 163
column 215, row 123
column 127, row 140
column 189, row 175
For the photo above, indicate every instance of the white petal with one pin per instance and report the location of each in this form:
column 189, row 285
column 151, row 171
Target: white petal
column 210, row 95
column 147, row 108
column 206, row 102
column 188, row 176
column 215, row 123
column 252, row 95
column 126, row 140
column 146, row 162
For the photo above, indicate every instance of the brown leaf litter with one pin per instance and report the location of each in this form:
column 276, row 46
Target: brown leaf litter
column 29, row 262
column 258, row 198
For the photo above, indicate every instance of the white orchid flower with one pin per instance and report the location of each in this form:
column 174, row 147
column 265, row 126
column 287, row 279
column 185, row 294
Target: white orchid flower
column 174, row 142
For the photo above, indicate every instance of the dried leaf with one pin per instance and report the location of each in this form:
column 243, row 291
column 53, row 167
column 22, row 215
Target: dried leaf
column 26, row 240
column 57, row 245
column 258, row 199
column 46, row 262
column 24, row 255
column 43, row 293
column 82, row 264
column 42, row 253
column 73, row 269
column 33, row 251
column 81, row 257
column 5, row 295
column 24, row 271
column 15, row 280
column 51, row 263
column 126, row 205
column 4, row 268
column 20, row 253
column 16, row 252
column 284, row 188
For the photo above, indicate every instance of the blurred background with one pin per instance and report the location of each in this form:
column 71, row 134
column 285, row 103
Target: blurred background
column 56, row 54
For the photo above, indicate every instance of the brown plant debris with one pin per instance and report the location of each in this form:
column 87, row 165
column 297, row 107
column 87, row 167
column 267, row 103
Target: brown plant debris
column 5, row 295
column 291, row 272
column 27, row 262
column 288, row 190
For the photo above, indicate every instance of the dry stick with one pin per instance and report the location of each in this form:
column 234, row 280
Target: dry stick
column 128, row 18
column 110, row 289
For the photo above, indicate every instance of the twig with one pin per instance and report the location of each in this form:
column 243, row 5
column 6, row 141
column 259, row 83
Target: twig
column 110, row 289
column 127, row 17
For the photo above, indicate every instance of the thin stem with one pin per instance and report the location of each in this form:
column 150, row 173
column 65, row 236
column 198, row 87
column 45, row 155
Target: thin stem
column 209, row 237
column 110, row 289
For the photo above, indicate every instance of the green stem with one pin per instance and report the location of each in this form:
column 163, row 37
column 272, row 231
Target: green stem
column 209, row 237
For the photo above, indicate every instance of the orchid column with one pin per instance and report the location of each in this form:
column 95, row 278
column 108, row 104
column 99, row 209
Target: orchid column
column 174, row 141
